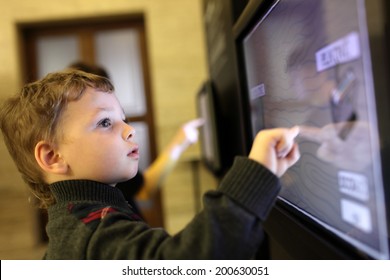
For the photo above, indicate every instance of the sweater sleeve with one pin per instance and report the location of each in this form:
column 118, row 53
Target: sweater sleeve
column 251, row 185
column 229, row 226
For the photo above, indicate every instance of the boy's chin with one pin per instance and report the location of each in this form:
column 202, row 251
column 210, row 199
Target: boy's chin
column 130, row 176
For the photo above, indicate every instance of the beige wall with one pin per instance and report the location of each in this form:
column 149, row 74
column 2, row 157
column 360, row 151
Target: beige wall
column 175, row 45
column 177, row 62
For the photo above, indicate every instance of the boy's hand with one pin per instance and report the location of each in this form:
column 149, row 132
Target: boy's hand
column 276, row 149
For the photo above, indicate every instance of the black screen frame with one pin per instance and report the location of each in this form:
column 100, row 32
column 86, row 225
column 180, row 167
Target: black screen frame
column 219, row 18
column 292, row 234
column 209, row 132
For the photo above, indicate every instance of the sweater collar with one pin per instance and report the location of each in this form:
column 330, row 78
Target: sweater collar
column 87, row 190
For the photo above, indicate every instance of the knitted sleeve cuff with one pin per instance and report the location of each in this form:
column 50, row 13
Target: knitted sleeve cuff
column 251, row 185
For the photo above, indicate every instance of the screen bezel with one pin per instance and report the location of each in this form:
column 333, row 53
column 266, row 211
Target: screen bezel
column 218, row 17
column 286, row 223
column 209, row 134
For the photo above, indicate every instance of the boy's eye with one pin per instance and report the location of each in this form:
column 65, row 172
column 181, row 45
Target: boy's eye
column 105, row 123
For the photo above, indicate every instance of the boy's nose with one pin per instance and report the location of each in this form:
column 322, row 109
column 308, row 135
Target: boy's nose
column 129, row 132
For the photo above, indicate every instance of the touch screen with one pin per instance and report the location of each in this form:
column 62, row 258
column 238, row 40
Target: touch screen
column 308, row 64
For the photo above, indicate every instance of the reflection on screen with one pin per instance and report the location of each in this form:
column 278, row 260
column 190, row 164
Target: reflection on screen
column 308, row 64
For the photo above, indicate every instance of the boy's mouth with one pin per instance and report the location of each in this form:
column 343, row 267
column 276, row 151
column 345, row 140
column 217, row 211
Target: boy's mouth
column 134, row 153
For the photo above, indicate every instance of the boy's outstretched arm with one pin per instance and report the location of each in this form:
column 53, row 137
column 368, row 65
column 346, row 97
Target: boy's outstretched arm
column 230, row 225
column 276, row 149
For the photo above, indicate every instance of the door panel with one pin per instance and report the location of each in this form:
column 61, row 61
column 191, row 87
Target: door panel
column 118, row 51
column 55, row 53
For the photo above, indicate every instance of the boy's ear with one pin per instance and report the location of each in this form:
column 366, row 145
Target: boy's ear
column 48, row 159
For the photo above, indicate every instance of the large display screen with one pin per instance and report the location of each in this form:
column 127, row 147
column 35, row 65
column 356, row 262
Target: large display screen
column 308, row 63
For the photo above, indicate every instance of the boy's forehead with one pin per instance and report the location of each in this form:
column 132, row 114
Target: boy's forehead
column 98, row 98
column 96, row 101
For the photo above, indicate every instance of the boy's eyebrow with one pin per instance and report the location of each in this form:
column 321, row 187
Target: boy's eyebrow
column 109, row 109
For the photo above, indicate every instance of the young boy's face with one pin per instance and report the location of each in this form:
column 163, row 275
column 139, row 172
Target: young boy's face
column 97, row 144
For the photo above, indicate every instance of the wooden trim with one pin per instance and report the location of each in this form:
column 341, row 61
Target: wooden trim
column 87, row 46
column 148, row 91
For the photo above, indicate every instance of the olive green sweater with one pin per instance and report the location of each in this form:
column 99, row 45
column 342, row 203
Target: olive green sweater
column 93, row 221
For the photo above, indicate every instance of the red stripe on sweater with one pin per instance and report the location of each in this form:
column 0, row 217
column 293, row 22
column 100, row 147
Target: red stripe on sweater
column 97, row 215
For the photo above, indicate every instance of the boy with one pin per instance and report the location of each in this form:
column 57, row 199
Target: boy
column 69, row 140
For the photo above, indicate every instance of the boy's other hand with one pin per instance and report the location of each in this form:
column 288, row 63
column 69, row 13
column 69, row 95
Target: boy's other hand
column 276, row 149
